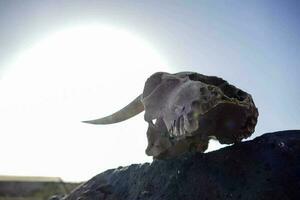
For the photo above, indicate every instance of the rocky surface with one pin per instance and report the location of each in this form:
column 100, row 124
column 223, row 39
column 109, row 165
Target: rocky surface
column 267, row 167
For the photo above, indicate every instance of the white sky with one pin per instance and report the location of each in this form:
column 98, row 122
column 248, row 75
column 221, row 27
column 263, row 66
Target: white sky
column 73, row 75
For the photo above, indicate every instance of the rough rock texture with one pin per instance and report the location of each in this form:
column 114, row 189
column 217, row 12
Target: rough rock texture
column 267, row 167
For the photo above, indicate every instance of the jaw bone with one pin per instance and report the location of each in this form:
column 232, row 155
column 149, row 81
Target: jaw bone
column 133, row 108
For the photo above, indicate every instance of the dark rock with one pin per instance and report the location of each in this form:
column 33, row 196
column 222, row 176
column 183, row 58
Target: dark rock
column 267, row 167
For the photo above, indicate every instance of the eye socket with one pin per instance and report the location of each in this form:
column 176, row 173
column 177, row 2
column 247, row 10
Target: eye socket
column 195, row 104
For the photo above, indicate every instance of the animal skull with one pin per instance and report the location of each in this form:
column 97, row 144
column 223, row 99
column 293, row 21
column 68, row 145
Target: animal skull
column 185, row 110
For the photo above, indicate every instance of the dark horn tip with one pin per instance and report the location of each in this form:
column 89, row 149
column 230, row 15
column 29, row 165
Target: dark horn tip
column 88, row 122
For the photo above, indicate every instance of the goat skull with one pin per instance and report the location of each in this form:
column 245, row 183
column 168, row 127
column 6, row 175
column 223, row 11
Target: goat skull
column 185, row 110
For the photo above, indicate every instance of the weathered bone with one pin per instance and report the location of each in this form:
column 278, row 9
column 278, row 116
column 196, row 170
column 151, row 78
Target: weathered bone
column 189, row 109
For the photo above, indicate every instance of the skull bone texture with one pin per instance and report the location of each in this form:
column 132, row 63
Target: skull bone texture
column 185, row 110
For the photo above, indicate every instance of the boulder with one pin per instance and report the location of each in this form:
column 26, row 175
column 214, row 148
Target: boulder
column 267, row 167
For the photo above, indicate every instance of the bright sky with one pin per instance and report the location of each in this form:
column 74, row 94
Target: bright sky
column 65, row 62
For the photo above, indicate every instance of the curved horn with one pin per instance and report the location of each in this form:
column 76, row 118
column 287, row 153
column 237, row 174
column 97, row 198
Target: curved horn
column 132, row 109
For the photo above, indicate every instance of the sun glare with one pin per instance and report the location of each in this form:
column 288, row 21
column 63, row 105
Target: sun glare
column 74, row 75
